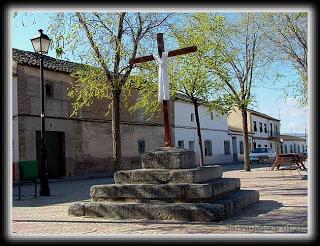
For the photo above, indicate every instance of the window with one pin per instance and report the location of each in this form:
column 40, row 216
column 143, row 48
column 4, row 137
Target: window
column 192, row 117
column 270, row 145
column 191, row 145
column 298, row 148
column 241, row 147
column 141, row 146
column 227, row 147
column 260, row 127
column 266, row 145
column 211, row 115
column 259, row 145
column 181, row 143
column 49, row 90
column 294, row 148
column 285, row 148
column 291, row 148
column 271, row 130
column 276, row 130
column 140, row 114
column 255, row 126
column 207, row 148
column 265, row 128
column 303, row 148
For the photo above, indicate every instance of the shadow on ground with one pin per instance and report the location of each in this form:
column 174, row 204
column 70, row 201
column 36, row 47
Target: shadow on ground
column 60, row 192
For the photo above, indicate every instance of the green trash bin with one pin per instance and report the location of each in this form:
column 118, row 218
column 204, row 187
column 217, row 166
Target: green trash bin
column 28, row 172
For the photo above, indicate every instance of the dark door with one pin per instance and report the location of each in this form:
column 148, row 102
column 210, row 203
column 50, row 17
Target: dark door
column 56, row 153
column 234, row 149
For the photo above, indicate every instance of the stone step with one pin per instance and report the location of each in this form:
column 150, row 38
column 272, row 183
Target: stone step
column 165, row 176
column 204, row 212
column 170, row 192
column 169, row 158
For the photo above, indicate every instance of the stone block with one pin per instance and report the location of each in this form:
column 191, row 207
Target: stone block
column 237, row 200
column 157, row 210
column 168, row 158
column 169, row 192
column 165, row 176
column 149, row 211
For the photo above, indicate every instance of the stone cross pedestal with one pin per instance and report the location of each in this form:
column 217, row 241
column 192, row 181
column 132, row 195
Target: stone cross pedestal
column 169, row 187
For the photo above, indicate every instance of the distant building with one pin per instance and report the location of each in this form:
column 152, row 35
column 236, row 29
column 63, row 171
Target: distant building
column 292, row 144
column 264, row 130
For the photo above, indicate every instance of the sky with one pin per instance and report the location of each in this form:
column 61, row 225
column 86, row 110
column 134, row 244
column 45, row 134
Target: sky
column 269, row 98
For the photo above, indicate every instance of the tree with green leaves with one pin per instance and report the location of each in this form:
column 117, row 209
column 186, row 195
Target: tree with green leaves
column 105, row 42
column 239, row 63
column 193, row 78
column 288, row 36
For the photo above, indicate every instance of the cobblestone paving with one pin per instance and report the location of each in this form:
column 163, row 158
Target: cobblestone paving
column 282, row 209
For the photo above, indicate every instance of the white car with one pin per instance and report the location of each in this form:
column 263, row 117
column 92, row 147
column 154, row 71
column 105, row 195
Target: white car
column 262, row 154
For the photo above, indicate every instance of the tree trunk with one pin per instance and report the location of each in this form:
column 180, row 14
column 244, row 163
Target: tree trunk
column 116, row 137
column 245, row 140
column 196, row 105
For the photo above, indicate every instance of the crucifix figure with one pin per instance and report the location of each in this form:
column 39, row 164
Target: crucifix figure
column 163, row 87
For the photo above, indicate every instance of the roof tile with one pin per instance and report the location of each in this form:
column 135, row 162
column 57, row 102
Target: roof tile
column 33, row 59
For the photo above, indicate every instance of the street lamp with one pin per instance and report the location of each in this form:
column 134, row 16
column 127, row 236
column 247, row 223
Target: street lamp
column 41, row 43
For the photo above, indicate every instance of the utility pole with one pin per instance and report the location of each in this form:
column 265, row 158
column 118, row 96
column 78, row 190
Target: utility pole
column 305, row 137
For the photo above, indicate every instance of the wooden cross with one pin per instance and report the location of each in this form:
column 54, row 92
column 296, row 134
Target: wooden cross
column 165, row 103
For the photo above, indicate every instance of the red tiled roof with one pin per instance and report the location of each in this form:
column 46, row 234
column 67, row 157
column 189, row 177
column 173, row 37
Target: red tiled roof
column 33, row 59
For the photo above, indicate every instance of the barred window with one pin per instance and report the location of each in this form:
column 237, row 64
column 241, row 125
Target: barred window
column 191, row 145
column 211, row 115
column 207, row 148
column 255, row 126
column 49, row 90
column 141, row 146
column 241, row 147
column 265, row 128
column 181, row 143
column 227, row 147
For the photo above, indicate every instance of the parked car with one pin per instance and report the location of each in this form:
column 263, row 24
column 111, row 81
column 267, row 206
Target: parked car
column 262, row 154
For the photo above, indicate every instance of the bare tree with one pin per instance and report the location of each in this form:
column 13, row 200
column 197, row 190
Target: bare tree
column 114, row 38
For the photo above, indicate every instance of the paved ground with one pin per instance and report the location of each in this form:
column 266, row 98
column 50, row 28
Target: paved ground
column 282, row 209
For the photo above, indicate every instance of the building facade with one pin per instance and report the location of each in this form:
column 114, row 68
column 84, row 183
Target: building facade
column 82, row 144
column 292, row 144
column 264, row 130
column 216, row 139
column 76, row 145
column 238, row 143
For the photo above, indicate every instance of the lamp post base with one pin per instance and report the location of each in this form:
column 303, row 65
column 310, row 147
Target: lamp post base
column 44, row 192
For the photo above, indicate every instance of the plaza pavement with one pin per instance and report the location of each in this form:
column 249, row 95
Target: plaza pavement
column 283, row 208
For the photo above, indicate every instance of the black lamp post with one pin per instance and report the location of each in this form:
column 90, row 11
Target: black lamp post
column 41, row 43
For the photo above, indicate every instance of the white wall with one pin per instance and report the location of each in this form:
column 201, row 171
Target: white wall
column 215, row 130
column 266, row 121
column 239, row 138
column 261, row 138
column 289, row 143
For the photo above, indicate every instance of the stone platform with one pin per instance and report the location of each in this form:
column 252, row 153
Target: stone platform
column 169, row 187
